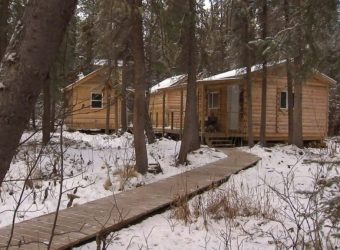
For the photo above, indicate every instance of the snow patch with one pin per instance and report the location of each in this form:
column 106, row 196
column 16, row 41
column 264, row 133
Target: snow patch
column 80, row 76
column 252, row 185
column 100, row 62
column 93, row 163
column 10, row 57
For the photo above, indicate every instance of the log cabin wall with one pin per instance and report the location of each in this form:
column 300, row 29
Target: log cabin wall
column 172, row 99
column 218, row 108
column 156, row 109
column 315, row 107
column 81, row 116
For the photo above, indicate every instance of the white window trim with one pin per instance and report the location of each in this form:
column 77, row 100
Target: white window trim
column 97, row 93
column 218, row 101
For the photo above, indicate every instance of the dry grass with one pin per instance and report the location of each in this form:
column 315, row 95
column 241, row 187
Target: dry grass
column 224, row 204
column 231, row 204
column 125, row 174
column 181, row 210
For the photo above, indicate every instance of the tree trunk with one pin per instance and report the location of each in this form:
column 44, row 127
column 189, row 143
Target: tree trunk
column 4, row 11
column 108, row 98
column 53, row 106
column 116, row 85
column 249, row 106
column 140, row 87
column 108, row 108
column 190, row 139
column 263, row 141
column 148, row 123
column 298, row 81
column 123, row 111
column 34, row 126
column 24, row 71
column 247, row 58
column 46, row 119
column 289, row 79
column 290, row 102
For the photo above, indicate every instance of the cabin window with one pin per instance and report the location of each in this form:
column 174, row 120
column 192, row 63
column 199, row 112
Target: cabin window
column 284, row 100
column 213, row 100
column 96, row 100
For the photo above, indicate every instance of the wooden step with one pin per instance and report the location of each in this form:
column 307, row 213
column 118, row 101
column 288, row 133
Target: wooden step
column 219, row 141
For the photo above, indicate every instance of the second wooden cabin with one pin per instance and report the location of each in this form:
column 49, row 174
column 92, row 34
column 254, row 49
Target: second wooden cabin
column 88, row 100
column 224, row 97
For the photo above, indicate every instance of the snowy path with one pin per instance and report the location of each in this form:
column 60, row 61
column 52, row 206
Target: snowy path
column 82, row 223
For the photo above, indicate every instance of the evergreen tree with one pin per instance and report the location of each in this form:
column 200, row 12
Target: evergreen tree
column 4, row 9
column 26, row 72
column 190, row 139
column 137, row 44
column 86, row 13
column 264, row 74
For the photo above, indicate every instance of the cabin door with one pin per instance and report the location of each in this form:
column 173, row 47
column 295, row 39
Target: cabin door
column 233, row 107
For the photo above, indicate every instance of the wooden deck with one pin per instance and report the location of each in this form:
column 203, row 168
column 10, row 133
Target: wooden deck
column 80, row 224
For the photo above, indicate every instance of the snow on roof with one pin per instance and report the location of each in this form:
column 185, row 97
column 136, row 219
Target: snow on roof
column 166, row 83
column 235, row 73
column 81, row 77
column 100, row 62
column 239, row 72
column 104, row 62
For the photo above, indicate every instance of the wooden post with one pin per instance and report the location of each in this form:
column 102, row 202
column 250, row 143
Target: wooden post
column 108, row 107
column 116, row 113
column 172, row 120
column 181, row 116
column 203, row 112
column 163, row 125
column 156, row 119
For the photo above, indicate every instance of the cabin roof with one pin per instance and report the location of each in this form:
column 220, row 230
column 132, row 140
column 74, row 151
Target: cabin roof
column 169, row 82
column 178, row 80
column 325, row 77
column 83, row 79
column 238, row 73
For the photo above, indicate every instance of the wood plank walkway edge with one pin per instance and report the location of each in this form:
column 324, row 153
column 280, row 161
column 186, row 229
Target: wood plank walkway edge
column 83, row 223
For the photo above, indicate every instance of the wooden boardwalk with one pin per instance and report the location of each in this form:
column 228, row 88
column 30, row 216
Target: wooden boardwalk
column 83, row 223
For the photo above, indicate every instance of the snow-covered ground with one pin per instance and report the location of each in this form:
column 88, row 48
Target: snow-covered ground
column 291, row 197
column 94, row 167
column 289, row 200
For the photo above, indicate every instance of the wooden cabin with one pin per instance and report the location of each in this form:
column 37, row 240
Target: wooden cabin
column 87, row 101
column 223, row 97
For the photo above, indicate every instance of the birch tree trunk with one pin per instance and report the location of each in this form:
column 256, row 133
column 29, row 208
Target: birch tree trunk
column 25, row 66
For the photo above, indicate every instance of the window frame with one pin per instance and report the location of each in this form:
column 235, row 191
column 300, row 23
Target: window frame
column 286, row 107
column 92, row 100
column 211, row 99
